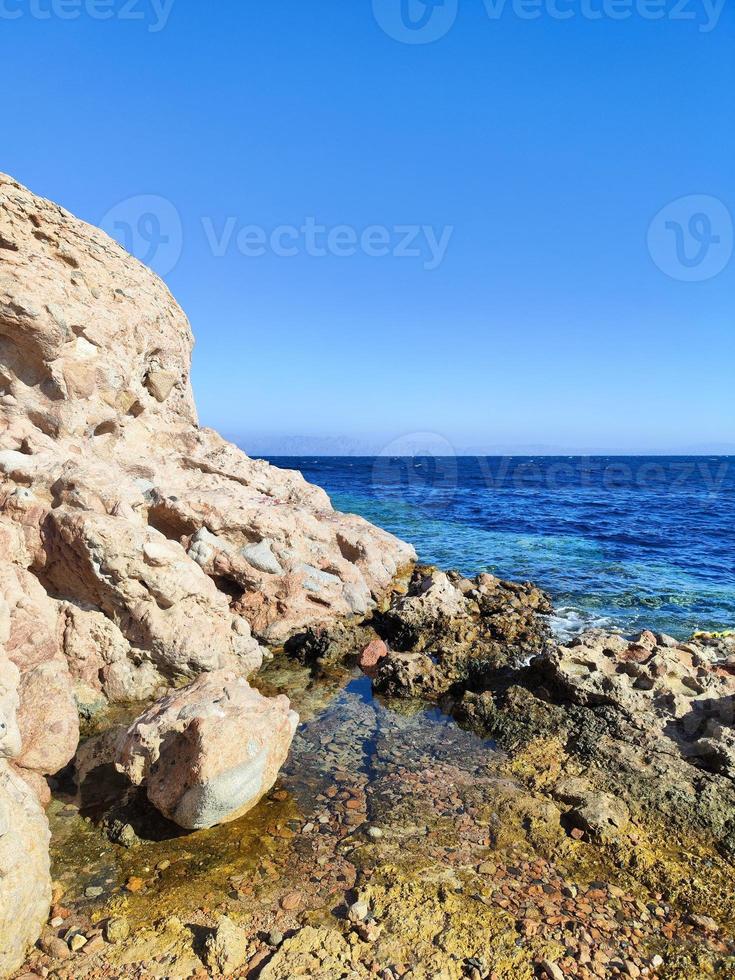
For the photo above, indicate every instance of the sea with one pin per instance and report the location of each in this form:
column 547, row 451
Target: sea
column 618, row 542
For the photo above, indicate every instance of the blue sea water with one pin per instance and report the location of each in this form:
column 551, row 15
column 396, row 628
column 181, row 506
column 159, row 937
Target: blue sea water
column 623, row 542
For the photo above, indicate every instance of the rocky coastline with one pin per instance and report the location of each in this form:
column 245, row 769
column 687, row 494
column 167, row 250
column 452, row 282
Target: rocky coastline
column 261, row 741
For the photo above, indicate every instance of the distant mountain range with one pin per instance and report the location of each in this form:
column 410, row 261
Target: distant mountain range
column 428, row 444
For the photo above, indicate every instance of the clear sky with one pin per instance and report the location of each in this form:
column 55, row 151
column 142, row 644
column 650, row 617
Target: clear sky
column 514, row 169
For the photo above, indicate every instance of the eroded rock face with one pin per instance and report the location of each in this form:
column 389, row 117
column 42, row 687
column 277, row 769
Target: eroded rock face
column 138, row 550
column 646, row 721
column 683, row 693
column 208, row 752
column 120, row 504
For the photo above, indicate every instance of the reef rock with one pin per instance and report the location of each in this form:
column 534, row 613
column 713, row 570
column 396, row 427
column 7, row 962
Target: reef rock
column 208, row 753
column 451, row 631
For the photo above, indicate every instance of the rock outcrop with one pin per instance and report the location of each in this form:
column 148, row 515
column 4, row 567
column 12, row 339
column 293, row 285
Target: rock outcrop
column 452, row 632
column 138, row 550
column 647, row 720
column 208, row 752
column 162, row 539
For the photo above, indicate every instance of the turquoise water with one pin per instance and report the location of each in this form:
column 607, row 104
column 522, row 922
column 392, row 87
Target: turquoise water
column 625, row 542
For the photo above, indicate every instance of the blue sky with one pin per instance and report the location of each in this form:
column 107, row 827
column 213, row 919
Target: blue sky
column 518, row 160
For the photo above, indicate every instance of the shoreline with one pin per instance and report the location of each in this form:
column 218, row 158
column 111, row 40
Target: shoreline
column 559, row 847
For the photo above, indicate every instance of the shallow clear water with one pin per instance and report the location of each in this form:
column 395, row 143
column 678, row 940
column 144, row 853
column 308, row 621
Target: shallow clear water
column 619, row 541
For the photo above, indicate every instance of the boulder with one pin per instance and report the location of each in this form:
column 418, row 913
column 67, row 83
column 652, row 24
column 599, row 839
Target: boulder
column 208, row 752
column 30, row 632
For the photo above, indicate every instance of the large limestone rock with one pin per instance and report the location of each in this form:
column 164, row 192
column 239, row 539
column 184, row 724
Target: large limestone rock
column 30, row 630
column 156, row 535
column 137, row 550
column 208, row 752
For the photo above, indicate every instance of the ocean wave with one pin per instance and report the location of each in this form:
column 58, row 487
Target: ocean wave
column 567, row 622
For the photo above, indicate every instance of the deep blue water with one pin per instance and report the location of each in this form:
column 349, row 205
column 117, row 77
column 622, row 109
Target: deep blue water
column 620, row 541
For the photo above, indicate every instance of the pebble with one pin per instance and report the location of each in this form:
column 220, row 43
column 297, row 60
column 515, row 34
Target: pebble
column 93, row 891
column 291, row 901
column 77, row 942
column 275, row 938
column 551, row 970
column 358, row 911
column 54, row 947
column 374, row 833
column 117, row 929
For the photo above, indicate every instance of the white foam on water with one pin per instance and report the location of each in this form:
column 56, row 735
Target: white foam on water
column 566, row 622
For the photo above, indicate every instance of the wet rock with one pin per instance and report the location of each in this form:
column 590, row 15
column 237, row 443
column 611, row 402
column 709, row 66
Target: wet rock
column 371, row 655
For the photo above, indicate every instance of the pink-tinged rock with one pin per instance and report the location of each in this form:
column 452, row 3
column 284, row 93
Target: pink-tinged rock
column 25, row 878
column 37, row 784
column 372, row 655
column 47, row 714
column 208, row 752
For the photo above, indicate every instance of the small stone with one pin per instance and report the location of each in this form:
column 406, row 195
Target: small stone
column 704, row 922
column 56, row 922
column 117, row 930
column 54, row 947
column 77, row 942
column 93, row 891
column 163, row 865
column 551, row 970
column 374, row 833
column 487, row 868
column 275, row 938
column 134, row 884
column 94, row 945
column 291, row 902
column 358, row 912
column 657, row 961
